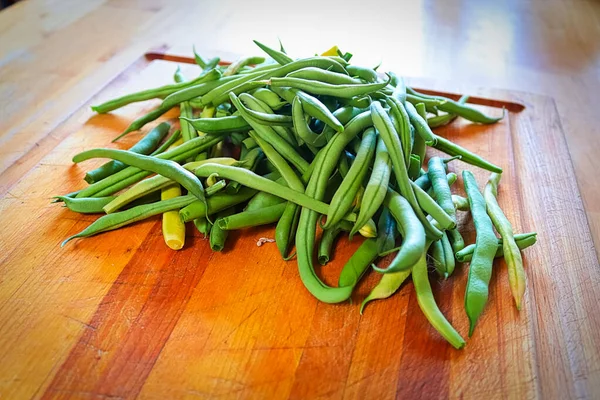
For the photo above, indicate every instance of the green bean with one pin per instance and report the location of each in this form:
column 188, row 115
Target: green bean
column 214, row 204
column 453, row 149
column 486, row 243
column 376, row 188
column 222, row 95
column 452, row 107
column 342, row 200
column 448, row 254
column 218, row 236
column 143, row 120
column 523, row 240
column 320, row 88
column 203, row 225
column 316, row 109
column 144, row 146
column 398, row 110
column 302, row 128
column 188, row 132
column 194, row 92
column 460, row 203
column 420, row 125
column 512, row 255
column 283, row 147
column 233, row 68
column 327, row 239
column 114, row 221
column 357, row 101
column 160, row 182
column 436, row 251
column 158, row 92
column 86, row 205
column 343, row 115
column 368, row 251
column 166, row 168
column 427, row 102
column 324, row 164
column 441, row 120
column 411, row 229
column 247, row 219
column 399, row 92
column 257, row 182
column 414, row 166
column 263, row 200
column 437, row 176
column 269, row 97
column 276, row 55
column 429, row 307
column 383, row 124
column 255, row 104
column 456, row 240
column 285, row 231
column 387, row 286
column 167, row 143
column 322, row 75
column 209, row 97
column 221, row 126
column 250, row 161
column 130, row 175
column 368, row 74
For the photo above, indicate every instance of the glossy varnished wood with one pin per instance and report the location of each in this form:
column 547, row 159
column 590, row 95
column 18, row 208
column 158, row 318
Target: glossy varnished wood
column 120, row 315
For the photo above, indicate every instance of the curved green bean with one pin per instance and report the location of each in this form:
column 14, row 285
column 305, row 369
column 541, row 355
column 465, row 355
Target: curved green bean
column 145, row 146
column 166, row 168
column 411, row 229
column 429, row 307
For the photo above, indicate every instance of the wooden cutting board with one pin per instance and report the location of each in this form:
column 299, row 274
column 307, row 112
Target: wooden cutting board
column 120, row 315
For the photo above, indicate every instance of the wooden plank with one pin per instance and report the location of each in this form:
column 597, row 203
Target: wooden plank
column 121, row 315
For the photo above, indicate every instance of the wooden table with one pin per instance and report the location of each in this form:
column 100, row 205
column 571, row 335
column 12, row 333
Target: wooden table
column 122, row 325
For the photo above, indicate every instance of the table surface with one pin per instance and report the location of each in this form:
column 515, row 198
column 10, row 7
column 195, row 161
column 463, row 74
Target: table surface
column 56, row 54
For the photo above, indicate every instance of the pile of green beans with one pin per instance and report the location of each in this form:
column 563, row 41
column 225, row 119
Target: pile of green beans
column 324, row 148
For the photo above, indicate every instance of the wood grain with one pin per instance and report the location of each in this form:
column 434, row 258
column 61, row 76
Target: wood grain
column 120, row 315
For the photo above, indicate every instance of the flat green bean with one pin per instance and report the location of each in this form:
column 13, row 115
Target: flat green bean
column 512, row 254
column 86, row 205
column 486, row 244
